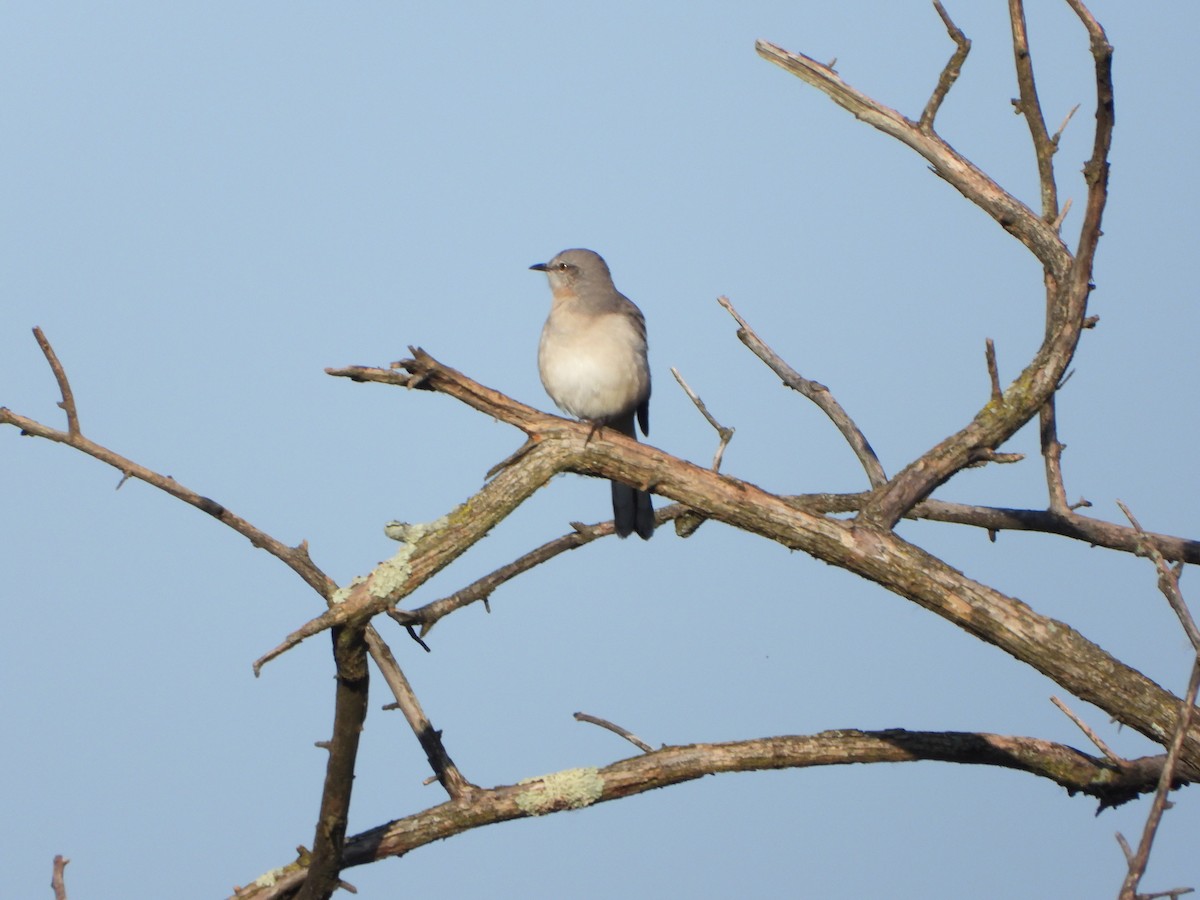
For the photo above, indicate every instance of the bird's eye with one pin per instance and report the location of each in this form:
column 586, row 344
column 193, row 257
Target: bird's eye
column 562, row 267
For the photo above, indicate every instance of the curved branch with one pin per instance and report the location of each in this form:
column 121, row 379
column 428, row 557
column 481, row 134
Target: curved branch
column 1074, row 770
column 295, row 558
column 972, row 182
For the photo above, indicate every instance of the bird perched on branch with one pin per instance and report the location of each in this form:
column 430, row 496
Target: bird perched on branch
column 592, row 359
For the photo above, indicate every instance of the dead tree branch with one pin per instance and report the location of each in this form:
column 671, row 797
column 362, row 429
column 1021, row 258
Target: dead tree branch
column 950, row 73
column 817, row 393
column 1068, row 278
column 1166, row 783
column 58, row 881
column 577, row 788
column 350, row 711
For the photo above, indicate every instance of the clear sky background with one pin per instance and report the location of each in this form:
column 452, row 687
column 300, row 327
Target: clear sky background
column 207, row 204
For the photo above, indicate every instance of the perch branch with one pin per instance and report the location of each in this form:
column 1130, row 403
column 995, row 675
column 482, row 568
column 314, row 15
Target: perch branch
column 1050, row 646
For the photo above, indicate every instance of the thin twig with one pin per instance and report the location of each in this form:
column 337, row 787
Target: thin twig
column 1137, row 865
column 817, row 393
column 479, row 590
column 1052, row 449
column 510, row 459
column 985, row 455
column 1044, row 148
column 615, row 729
column 951, row 71
column 1058, row 223
column 1063, row 127
column 725, row 434
column 993, row 371
column 1029, row 104
column 67, row 404
column 1168, row 580
column 1091, row 735
column 443, row 766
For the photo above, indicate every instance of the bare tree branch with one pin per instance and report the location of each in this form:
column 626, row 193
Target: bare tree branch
column 950, row 73
column 58, row 881
column 1166, row 783
column 295, row 558
column 615, row 729
column 817, row 393
column 350, row 711
column 993, row 519
column 67, row 404
column 1083, row 726
column 996, row 422
column 725, row 435
column 1012, row 215
column 443, row 766
column 577, row 788
column 1044, row 147
column 993, row 370
column 1168, row 580
column 481, row 589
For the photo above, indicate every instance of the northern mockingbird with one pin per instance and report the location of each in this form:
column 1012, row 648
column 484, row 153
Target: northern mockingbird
column 592, row 359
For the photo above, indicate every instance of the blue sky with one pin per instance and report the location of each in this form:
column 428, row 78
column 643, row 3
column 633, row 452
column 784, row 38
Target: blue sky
column 207, row 204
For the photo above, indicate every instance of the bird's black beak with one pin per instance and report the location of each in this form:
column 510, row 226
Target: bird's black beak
column 540, row 267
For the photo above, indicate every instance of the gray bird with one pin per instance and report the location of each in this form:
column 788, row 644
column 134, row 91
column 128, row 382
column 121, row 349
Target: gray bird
column 592, row 359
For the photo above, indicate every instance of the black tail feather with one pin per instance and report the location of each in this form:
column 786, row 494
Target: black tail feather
column 632, row 511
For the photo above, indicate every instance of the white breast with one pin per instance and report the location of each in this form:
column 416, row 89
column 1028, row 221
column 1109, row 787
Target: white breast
column 593, row 367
